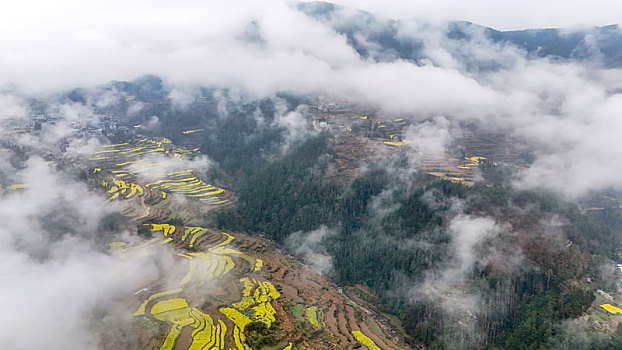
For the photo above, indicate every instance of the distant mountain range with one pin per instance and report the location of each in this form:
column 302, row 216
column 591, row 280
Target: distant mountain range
column 386, row 39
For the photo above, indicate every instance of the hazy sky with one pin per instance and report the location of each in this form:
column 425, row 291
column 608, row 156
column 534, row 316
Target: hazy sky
column 501, row 14
column 505, row 14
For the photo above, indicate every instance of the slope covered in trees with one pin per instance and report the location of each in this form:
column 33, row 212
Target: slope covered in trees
column 404, row 246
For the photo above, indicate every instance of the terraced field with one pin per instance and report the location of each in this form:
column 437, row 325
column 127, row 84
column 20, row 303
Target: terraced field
column 234, row 291
column 312, row 305
column 122, row 166
column 208, row 266
column 377, row 137
column 260, row 300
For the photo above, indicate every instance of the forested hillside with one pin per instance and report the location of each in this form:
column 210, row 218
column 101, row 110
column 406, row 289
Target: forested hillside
column 545, row 252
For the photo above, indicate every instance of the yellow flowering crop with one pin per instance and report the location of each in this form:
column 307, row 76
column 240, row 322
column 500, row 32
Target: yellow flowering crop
column 311, row 313
column 612, row 309
column 363, row 339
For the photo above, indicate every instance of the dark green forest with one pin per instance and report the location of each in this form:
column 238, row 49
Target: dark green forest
column 284, row 196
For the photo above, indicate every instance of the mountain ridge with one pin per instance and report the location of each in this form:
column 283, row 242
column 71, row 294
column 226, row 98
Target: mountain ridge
column 598, row 44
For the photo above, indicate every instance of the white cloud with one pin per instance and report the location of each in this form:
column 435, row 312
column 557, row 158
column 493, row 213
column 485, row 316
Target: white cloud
column 311, row 247
column 12, row 107
column 53, row 272
column 155, row 166
column 430, row 137
column 445, row 287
